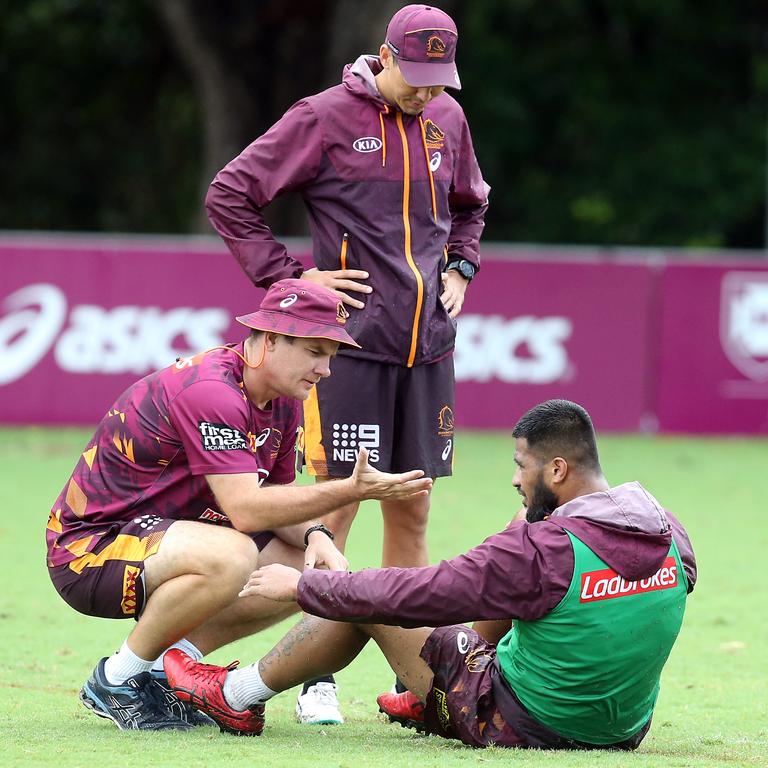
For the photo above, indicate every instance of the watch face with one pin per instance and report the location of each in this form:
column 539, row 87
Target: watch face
column 466, row 269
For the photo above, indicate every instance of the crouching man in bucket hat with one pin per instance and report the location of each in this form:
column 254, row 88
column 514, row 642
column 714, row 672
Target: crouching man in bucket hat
column 185, row 489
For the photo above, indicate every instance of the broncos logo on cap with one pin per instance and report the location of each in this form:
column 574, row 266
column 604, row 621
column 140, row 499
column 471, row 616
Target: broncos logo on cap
column 435, row 47
column 341, row 314
column 434, row 137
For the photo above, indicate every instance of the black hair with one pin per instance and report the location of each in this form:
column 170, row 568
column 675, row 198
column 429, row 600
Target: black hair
column 560, row 428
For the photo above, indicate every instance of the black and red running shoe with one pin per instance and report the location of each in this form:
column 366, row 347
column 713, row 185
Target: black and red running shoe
column 404, row 708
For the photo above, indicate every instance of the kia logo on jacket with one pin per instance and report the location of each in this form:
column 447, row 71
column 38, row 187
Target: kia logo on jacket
column 367, row 144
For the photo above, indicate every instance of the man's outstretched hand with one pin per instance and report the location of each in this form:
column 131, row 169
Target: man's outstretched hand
column 275, row 582
column 369, row 483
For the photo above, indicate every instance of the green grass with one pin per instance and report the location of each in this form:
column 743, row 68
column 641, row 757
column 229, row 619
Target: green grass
column 712, row 710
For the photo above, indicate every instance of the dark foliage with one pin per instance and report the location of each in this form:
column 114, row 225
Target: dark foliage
column 594, row 121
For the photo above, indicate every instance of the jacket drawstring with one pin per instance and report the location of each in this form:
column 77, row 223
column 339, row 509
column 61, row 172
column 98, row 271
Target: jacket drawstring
column 429, row 168
column 383, row 136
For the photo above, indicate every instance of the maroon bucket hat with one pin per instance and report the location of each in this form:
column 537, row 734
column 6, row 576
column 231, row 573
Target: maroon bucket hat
column 423, row 39
column 303, row 309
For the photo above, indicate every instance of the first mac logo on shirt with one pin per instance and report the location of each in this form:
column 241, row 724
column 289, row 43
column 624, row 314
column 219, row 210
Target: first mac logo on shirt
column 221, row 437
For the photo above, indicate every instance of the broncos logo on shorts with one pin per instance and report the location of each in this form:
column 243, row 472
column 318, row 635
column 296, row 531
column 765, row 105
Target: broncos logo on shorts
column 477, row 660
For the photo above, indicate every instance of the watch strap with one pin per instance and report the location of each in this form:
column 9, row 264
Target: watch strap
column 312, row 529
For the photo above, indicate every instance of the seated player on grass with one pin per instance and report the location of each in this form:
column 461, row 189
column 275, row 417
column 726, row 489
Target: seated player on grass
column 595, row 578
column 185, row 488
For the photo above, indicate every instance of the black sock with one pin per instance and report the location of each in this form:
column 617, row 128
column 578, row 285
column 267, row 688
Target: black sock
column 399, row 687
column 310, row 683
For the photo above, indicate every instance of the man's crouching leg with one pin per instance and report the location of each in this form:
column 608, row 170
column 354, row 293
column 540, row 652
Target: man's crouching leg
column 312, row 648
column 189, row 588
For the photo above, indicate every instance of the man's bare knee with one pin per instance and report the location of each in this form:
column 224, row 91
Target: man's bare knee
column 223, row 554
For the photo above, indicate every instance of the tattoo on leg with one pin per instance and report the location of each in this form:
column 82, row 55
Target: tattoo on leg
column 296, row 635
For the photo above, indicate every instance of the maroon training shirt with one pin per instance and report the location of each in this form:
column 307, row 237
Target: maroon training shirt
column 152, row 449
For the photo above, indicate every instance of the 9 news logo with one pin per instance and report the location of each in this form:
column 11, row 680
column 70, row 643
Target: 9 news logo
column 349, row 438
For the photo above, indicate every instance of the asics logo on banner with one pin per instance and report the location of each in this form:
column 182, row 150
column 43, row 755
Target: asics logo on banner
column 607, row 584
column 221, row 437
column 367, row 144
column 434, row 162
column 291, row 298
column 524, row 350
column 348, row 438
column 462, row 642
column 87, row 338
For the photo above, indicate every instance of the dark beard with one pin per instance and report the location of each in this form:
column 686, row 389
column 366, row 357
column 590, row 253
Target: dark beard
column 542, row 503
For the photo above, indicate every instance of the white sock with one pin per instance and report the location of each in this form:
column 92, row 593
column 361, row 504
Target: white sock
column 244, row 687
column 124, row 664
column 182, row 645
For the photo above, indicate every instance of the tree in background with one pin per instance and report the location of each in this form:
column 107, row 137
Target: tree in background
column 250, row 61
column 640, row 122
column 594, row 121
column 98, row 126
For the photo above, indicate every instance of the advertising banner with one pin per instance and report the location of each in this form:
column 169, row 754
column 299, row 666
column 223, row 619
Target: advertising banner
column 642, row 344
column 534, row 330
column 80, row 322
column 713, row 348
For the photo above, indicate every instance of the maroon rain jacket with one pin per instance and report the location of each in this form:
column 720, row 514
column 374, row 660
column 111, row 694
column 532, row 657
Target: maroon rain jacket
column 523, row 572
column 392, row 194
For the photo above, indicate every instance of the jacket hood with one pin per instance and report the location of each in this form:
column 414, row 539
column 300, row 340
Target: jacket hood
column 625, row 526
column 358, row 78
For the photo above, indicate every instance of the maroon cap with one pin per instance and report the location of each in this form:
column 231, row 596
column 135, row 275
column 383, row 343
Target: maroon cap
column 423, row 39
column 301, row 308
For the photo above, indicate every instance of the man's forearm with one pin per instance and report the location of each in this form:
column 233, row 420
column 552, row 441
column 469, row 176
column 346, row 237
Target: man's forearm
column 254, row 508
column 286, row 506
column 294, row 534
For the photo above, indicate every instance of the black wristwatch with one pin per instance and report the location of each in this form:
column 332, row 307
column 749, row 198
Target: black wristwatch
column 312, row 529
column 465, row 268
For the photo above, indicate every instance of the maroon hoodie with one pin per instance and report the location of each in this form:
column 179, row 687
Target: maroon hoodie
column 523, row 572
column 392, row 194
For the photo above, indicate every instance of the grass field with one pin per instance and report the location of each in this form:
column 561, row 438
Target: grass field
column 713, row 707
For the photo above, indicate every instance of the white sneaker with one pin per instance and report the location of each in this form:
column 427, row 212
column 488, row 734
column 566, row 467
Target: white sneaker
column 319, row 705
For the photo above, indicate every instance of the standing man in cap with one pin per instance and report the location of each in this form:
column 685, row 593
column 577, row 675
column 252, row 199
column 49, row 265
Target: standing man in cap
column 185, row 488
column 385, row 165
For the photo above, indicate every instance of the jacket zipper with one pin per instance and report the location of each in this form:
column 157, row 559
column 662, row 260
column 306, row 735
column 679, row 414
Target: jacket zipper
column 408, row 253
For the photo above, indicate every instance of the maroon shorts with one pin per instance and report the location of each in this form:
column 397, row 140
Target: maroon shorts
column 403, row 416
column 460, row 705
column 109, row 582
